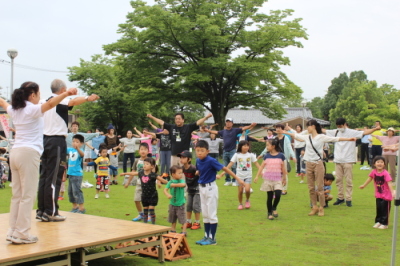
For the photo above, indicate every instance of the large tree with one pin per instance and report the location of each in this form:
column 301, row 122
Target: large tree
column 220, row 54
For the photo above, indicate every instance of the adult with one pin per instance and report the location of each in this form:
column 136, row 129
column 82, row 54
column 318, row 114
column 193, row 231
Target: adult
column 389, row 154
column 229, row 135
column 129, row 149
column 298, row 147
column 365, row 150
column 314, row 163
column 180, row 134
column 376, row 149
column 27, row 116
column 213, row 144
column 55, row 152
column 345, row 158
column 165, row 150
column 111, row 139
column 75, row 130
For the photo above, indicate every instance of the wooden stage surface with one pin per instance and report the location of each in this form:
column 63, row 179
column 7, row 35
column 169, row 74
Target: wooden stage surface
column 77, row 232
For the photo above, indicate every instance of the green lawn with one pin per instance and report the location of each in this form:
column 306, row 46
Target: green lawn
column 246, row 237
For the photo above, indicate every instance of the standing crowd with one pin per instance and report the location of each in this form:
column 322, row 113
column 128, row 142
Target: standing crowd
column 44, row 146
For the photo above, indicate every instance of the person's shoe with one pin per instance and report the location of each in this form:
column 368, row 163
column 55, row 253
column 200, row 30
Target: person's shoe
column 383, row 227
column 75, row 210
column 234, row 184
column 201, row 240
column 96, row 196
column 240, row 207
column 53, row 218
column 138, row 218
column 376, row 225
column 60, row 198
column 208, row 242
column 188, row 225
column 348, row 203
column 107, row 196
column 326, row 205
column 39, row 215
column 247, row 205
column 195, row 226
column 284, row 192
column 8, row 238
column 301, row 181
column 81, row 211
column 321, row 212
column 313, row 211
column 29, row 240
column 228, row 183
column 338, row 201
column 275, row 214
column 270, row 216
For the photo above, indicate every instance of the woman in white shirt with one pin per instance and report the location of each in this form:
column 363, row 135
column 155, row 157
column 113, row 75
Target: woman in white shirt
column 27, row 116
column 315, row 168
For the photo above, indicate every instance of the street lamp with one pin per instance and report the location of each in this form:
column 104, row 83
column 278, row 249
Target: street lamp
column 12, row 53
column 303, row 103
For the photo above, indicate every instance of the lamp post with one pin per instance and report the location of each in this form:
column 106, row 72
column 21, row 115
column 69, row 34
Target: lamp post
column 12, row 53
column 303, row 103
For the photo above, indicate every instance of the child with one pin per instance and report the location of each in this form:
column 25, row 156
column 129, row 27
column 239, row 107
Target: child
column 302, row 166
column 384, row 192
column 102, row 179
column 154, row 149
column 177, row 200
column 328, row 180
column 75, row 174
column 243, row 160
column 148, row 177
column 208, row 168
column 193, row 196
column 114, row 162
column 274, row 176
column 137, row 166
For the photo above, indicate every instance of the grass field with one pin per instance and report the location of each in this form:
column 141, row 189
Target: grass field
column 246, row 237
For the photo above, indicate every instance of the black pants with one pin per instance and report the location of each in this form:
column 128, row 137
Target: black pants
column 272, row 203
column 382, row 211
column 48, row 193
column 127, row 156
column 376, row 150
column 364, row 153
column 298, row 153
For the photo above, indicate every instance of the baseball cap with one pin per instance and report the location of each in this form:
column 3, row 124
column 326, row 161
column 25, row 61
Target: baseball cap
column 229, row 119
column 186, row 154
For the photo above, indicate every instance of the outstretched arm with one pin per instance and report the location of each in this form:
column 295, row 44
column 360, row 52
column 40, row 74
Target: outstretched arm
column 366, row 182
column 158, row 121
column 83, row 99
column 202, row 120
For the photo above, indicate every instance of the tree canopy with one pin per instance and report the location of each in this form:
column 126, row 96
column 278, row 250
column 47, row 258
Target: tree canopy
column 220, row 54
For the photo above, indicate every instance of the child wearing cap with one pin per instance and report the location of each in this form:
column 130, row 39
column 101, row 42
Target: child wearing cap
column 387, row 153
column 193, row 193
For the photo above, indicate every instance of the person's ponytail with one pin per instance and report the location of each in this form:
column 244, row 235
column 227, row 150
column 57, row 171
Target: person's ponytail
column 22, row 94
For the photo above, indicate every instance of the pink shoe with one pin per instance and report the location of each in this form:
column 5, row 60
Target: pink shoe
column 247, row 205
column 240, row 207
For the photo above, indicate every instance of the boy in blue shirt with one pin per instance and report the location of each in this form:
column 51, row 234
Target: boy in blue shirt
column 208, row 168
column 75, row 174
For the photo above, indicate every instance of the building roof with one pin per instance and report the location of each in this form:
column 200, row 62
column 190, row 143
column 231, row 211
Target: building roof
column 255, row 116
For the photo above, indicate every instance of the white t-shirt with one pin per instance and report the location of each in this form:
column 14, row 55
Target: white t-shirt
column 318, row 141
column 243, row 164
column 56, row 119
column 28, row 124
column 345, row 150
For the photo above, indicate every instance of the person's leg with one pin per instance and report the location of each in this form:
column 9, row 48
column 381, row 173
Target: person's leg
column 175, row 160
column 163, row 166
column 386, row 212
column 25, row 164
column 276, row 202
column 44, row 173
column 247, row 187
column 348, row 173
column 77, row 192
column 319, row 178
column 379, row 211
column 125, row 161
column 339, row 183
column 240, row 196
column 212, row 204
column 298, row 153
column 152, row 214
column 310, row 168
column 226, row 157
column 364, row 147
column 146, row 214
column 391, row 160
column 270, row 196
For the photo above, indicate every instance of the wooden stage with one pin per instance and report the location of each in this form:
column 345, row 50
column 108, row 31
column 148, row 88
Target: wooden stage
column 77, row 233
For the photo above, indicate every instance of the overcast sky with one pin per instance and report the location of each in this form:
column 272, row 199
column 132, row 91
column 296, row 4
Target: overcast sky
column 344, row 36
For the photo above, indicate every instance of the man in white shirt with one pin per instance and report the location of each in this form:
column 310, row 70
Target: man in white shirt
column 55, row 146
column 345, row 158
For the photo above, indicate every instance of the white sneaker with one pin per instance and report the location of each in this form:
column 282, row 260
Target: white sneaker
column 383, row 227
column 29, row 240
column 107, row 196
column 96, row 196
column 301, row 181
column 228, row 183
column 234, row 184
column 376, row 225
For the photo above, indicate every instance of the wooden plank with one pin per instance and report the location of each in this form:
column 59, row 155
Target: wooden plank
column 77, row 231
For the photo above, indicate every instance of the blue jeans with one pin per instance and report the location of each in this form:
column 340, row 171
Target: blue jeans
column 298, row 153
column 227, row 156
column 74, row 189
column 127, row 156
column 165, row 161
